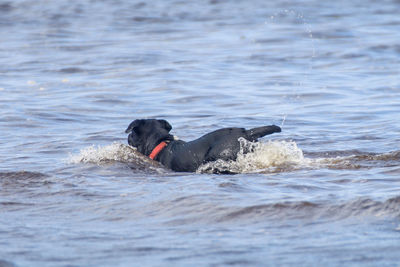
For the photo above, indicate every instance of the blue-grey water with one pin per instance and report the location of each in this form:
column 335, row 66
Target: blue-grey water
column 325, row 191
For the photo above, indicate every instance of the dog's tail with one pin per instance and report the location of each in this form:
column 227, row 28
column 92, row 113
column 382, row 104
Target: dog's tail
column 258, row 132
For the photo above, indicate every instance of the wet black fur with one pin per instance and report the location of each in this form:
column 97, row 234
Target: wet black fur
column 178, row 155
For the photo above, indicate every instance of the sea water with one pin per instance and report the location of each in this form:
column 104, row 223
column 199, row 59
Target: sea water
column 324, row 191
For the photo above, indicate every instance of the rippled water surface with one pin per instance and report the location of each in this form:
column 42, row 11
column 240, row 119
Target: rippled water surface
column 325, row 191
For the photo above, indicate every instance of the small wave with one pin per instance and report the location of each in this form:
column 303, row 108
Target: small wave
column 116, row 152
column 21, row 175
column 284, row 156
column 309, row 210
column 191, row 209
column 22, row 179
column 354, row 160
column 104, row 154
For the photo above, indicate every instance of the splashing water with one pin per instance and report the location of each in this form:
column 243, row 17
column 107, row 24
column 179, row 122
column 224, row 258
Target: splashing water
column 272, row 156
column 253, row 157
column 114, row 152
column 283, row 121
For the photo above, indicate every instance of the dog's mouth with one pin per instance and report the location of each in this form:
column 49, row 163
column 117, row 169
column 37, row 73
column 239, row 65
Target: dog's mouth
column 132, row 140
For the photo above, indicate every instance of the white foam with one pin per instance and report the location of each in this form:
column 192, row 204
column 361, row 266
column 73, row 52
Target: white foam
column 103, row 154
column 268, row 156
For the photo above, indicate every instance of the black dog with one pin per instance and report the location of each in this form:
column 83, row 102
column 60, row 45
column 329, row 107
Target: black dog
column 151, row 137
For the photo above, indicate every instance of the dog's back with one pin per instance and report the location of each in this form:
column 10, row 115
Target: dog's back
column 220, row 144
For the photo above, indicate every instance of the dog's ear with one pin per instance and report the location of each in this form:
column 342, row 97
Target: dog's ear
column 134, row 126
column 165, row 125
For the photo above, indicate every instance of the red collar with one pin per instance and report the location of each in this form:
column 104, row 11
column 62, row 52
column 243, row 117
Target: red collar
column 157, row 149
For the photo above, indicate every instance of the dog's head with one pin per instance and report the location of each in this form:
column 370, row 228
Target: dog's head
column 146, row 134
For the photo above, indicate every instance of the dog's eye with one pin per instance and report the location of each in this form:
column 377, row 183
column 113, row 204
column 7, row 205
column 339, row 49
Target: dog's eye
column 134, row 126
